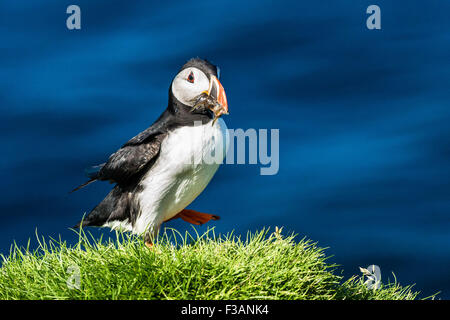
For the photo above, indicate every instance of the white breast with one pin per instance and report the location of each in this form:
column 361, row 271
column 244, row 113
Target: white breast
column 189, row 158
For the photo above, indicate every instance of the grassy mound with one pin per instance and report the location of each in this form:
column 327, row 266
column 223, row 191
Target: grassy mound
column 263, row 266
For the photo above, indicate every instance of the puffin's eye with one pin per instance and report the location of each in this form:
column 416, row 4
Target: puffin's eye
column 190, row 78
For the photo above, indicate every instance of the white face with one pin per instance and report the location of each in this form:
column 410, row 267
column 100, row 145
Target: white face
column 188, row 84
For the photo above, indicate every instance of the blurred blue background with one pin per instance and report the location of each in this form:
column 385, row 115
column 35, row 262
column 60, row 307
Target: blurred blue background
column 363, row 118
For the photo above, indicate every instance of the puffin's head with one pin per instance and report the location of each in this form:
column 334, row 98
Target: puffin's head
column 195, row 78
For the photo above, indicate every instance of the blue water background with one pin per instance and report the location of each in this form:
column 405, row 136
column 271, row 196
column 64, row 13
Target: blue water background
column 363, row 118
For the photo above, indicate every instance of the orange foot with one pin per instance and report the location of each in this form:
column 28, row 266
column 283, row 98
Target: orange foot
column 149, row 245
column 194, row 217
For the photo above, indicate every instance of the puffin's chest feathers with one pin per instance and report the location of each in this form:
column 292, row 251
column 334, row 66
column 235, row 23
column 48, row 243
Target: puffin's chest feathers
column 190, row 148
column 189, row 158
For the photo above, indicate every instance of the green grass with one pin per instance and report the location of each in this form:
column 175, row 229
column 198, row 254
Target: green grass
column 264, row 265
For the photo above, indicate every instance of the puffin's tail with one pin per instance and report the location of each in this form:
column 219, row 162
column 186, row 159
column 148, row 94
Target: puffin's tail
column 84, row 185
column 92, row 173
column 114, row 207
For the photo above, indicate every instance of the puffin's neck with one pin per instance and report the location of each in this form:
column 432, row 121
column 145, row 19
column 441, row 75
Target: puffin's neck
column 183, row 115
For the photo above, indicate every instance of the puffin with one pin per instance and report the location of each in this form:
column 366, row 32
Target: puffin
column 161, row 170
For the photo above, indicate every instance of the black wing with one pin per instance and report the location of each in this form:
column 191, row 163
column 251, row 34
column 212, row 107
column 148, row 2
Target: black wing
column 142, row 150
column 125, row 164
column 138, row 153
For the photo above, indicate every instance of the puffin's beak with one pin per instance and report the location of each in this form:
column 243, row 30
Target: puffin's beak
column 217, row 92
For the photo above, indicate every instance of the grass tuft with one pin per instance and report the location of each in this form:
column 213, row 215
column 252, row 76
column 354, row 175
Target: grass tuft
column 192, row 266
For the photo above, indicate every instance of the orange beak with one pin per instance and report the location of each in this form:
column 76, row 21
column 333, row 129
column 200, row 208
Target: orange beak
column 217, row 91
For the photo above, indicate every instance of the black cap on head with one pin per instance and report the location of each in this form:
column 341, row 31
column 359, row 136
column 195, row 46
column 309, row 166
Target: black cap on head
column 207, row 67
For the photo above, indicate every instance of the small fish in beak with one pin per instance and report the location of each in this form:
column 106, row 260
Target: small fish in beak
column 214, row 99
